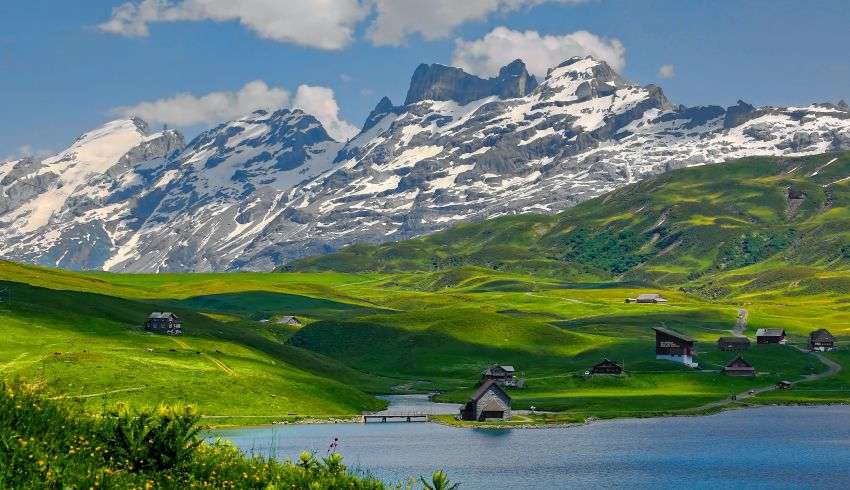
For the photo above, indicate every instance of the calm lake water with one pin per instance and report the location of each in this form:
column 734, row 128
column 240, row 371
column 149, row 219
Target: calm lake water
column 771, row 447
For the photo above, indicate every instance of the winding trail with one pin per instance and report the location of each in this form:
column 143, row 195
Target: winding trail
column 102, row 393
column 208, row 357
column 741, row 322
column 833, row 368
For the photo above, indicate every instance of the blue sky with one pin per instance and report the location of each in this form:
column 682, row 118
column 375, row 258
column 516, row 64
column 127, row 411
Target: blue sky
column 66, row 69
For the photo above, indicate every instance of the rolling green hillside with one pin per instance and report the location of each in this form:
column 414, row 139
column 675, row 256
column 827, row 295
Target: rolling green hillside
column 676, row 228
column 544, row 293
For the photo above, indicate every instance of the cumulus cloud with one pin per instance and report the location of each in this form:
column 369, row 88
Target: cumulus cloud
column 189, row 110
column 435, row 19
column 500, row 46
column 321, row 103
column 324, row 24
column 666, row 71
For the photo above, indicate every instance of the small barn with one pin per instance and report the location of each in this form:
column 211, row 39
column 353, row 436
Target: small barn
column 489, row 402
column 739, row 367
column 501, row 374
column 770, row 336
column 733, row 343
column 821, row 340
column 164, row 322
column 288, row 320
column 674, row 346
column 606, row 367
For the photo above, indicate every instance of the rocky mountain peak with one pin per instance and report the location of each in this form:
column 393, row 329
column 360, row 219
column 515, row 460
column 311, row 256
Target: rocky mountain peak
column 385, row 106
column 440, row 82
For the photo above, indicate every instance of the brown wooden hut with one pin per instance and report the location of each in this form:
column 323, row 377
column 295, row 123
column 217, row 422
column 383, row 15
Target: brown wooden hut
column 770, row 336
column 674, row 346
column 821, row 340
column 164, row 322
column 501, row 374
column 733, row 343
column 606, row 367
column 739, row 367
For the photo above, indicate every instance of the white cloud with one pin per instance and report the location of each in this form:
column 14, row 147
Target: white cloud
column 666, row 71
column 324, row 24
column 28, row 151
column 435, row 19
column 187, row 110
column 321, row 103
column 502, row 45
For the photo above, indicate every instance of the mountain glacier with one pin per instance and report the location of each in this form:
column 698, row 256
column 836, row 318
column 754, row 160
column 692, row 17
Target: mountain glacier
column 269, row 187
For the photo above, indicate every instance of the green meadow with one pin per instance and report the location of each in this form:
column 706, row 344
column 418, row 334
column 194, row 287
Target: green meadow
column 543, row 293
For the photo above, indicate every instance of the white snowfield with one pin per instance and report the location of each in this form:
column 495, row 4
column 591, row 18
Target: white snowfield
column 270, row 187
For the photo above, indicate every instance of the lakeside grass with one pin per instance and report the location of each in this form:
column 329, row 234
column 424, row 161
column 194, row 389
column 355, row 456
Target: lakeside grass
column 78, row 335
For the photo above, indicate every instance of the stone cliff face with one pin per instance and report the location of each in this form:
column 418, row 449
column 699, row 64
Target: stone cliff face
column 438, row 82
column 259, row 191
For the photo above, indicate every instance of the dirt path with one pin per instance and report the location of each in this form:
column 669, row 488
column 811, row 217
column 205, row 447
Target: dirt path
column 208, row 357
column 833, row 368
column 741, row 322
column 102, row 393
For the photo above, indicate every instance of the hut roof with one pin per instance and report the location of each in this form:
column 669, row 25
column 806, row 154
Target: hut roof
column 770, row 332
column 490, row 369
column 162, row 314
column 739, row 363
column 606, row 362
column 734, row 340
column 821, row 334
column 649, row 296
column 674, row 333
column 484, row 388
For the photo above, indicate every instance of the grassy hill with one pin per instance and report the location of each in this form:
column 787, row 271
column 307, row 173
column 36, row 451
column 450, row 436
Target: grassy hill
column 676, row 228
column 544, row 293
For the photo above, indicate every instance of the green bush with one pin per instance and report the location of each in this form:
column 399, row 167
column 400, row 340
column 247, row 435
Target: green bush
column 53, row 444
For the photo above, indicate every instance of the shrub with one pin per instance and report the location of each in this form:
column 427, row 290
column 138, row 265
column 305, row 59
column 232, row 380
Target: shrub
column 54, row 444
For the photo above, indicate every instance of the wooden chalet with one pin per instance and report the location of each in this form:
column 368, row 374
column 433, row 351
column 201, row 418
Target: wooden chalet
column 489, row 402
column 647, row 298
column 821, row 340
column 606, row 367
column 288, row 320
column 733, row 343
column 503, row 375
column 770, row 336
column 739, row 367
column 164, row 322
column 674, row 346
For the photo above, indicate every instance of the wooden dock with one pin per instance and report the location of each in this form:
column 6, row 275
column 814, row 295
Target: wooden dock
column 396, row 417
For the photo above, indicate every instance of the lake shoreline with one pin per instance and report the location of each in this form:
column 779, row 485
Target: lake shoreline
column 444, row 420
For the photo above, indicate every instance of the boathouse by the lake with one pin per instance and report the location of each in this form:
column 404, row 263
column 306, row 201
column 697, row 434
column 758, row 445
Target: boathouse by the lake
column 501, row 374
column 739, row 367
column 606, row 367
column 164, row 322
column 674, row 346
column 770, row 336
column 489, row 402
column 821, row 340
column 734, row 343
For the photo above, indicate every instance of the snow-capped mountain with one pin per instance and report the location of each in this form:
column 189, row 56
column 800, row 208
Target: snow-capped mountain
column 256, row 192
